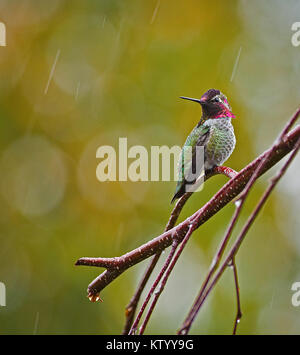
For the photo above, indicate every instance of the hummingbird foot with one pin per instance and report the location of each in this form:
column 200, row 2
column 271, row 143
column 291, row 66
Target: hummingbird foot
column 229, row 173
column 224, row 170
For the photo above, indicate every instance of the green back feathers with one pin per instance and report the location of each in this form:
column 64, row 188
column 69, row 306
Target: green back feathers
column 198, row 137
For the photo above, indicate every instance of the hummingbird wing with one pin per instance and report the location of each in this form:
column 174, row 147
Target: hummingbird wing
column 187, row 160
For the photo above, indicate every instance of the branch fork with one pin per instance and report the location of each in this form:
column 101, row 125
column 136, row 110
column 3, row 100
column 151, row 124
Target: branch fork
column 238, row 187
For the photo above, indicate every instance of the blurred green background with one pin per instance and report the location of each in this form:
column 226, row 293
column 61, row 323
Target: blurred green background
column 79, row 74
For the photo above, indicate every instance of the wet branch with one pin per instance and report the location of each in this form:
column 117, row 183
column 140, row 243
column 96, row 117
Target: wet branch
column 283, row 137
column 131, row 307
column 239, row 182
column 238, row 298
column 232, row 253
column 153, row 290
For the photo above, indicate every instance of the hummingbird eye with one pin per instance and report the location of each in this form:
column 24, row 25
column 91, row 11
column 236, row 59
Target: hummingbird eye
column 216, row 99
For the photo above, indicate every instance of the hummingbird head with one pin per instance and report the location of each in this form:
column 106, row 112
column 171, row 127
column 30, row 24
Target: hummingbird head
column 214, row 104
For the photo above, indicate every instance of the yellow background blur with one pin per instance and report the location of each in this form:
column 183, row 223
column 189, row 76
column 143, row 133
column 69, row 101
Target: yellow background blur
column 79, row 74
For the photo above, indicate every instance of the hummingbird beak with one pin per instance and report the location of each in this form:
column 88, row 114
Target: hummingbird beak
column 191, row 99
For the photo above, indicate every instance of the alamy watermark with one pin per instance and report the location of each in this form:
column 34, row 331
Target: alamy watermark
column 159, row 164
column 2, row 295
column 296, row 296
column 295, row 39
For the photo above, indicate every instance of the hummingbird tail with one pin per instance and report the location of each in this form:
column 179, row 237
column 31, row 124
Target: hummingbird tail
column 178, row 193
column 173, row 199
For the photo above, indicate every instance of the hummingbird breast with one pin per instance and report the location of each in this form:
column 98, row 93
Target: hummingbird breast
column 221, row 142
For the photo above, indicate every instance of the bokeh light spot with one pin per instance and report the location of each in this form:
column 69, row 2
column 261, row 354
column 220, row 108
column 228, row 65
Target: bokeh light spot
column 33, row 175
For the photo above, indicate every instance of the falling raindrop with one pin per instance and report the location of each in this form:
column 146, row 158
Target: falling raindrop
column 52, row 71
column 77, row 90
column 36, row 323
column 155, row 12
column 236, row 64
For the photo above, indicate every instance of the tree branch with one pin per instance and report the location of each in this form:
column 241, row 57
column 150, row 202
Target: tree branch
column 116, row 266
column 152, row 290
column 238, row 298
column 131, row 307
column 232, row 253
column 239, row 204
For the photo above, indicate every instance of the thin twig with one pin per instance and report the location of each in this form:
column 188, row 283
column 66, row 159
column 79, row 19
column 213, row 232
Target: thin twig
column 214, row 265
column 131, row 307
column 239, row 204
column 116, row 266
column 154, row 285
column 166, row 276
column 232, row 253
column 238, row 298
column 217, row 170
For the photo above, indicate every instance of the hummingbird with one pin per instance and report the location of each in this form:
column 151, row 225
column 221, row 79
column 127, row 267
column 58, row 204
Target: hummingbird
column 214, row 132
